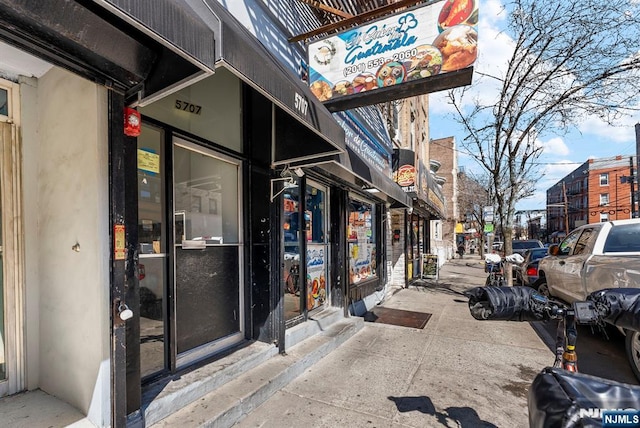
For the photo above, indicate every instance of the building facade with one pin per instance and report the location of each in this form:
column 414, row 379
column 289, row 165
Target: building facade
column 165, row 202
column 598, row 190
column 444, row 152
column 415, row 173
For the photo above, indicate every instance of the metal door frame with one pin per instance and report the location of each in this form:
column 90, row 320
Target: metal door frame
column 206, row 350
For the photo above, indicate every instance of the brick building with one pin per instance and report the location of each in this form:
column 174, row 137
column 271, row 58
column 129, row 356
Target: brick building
column 598, row 190
column 443, row 150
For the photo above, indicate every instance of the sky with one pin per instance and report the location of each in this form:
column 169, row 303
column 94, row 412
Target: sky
column 562, row 153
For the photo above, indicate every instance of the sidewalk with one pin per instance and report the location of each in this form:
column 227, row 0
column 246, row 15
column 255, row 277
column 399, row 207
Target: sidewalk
column 455, row 372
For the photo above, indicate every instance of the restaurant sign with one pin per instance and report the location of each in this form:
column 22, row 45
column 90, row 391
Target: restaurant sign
column 406, row 178
column 414, row 45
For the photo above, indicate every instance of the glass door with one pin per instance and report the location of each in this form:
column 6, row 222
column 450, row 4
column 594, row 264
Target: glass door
column 207, row 251
column 317, row 248
column 293, row 298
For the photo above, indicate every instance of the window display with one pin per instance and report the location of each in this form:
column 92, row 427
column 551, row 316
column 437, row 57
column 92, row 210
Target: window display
column 316, row 236
column 362, row 241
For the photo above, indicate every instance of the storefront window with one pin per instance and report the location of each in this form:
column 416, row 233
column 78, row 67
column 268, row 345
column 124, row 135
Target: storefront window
column 317, row 249
column 152, row 265
column 361, row 235
column 291, row 273
column 4, row 102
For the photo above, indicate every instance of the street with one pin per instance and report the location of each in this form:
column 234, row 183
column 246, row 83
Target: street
column 597, row 355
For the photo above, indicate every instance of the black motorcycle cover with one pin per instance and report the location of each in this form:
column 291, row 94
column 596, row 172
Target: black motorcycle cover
column 559, row 398
column 621, row 306
column 503, row 303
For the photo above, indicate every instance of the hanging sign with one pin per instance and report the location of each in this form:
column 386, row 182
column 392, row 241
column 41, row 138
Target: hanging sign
column 414, row 45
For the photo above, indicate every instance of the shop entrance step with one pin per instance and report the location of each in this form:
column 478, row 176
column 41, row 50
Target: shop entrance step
column 225, row 404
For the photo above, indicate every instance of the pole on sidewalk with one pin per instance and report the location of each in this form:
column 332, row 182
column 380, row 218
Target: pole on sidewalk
column 633, row 191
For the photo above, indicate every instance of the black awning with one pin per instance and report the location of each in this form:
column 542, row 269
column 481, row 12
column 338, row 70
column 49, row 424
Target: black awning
column 349, row 165
column 174, row 22
column 239, row 51
column 205, row 33
column 78, row 38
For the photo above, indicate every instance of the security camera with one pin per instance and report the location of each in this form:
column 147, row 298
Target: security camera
column 299, row 172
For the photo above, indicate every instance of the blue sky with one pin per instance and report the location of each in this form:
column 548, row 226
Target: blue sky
column 562, row 153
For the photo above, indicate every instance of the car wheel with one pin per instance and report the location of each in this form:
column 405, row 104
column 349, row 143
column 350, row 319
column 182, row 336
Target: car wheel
column 541, row 286
column 632, row 343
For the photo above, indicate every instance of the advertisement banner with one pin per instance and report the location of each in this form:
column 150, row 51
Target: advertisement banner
column 316, row 279
column 406, row 47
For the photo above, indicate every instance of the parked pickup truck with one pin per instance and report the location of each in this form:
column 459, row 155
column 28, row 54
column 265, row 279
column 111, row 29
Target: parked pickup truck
column 592, row 257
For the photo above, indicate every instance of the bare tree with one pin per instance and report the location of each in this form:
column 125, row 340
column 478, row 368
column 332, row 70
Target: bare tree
column 570, row 61
column 473, row 196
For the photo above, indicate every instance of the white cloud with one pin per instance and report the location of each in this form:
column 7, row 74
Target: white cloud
column 554, row 146
column 623, row 132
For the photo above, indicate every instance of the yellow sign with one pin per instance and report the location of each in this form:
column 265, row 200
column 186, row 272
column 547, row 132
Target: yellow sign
column 459, row 228
column 148, row 161
column 119, row 252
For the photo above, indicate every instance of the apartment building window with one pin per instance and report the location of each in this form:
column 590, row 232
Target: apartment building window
column 604, row 179
column 604, row 199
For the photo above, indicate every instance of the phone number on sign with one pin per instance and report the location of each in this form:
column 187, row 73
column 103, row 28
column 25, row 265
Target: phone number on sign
column 378, row 62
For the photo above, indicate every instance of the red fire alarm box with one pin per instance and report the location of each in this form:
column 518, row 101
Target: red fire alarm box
column 132, row 122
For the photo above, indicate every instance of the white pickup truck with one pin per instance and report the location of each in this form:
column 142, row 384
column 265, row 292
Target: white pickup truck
column 593, row 257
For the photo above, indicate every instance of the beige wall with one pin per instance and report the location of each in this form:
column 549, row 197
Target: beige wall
column 66, row 202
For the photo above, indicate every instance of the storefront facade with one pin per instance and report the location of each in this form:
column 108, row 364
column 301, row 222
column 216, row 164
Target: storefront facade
column 417, row 222
column 235, row 212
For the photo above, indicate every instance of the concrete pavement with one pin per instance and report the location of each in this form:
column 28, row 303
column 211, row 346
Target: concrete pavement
column 455, row 372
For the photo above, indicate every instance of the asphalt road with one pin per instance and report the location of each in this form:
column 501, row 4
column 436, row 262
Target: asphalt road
column 597, row 355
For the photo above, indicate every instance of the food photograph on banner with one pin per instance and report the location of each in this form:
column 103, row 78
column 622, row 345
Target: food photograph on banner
column 316, row 281
column 415, row 45
column 362, row 249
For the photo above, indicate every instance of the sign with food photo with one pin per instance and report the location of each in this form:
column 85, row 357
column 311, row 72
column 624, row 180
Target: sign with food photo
column 316, row 280
column 415, row 44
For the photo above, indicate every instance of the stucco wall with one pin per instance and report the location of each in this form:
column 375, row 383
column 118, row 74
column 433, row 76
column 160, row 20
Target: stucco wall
column 66, row 202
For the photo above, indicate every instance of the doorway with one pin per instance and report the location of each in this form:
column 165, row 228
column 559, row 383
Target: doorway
column 207, row 252
column 306, row 251
column 191, row 299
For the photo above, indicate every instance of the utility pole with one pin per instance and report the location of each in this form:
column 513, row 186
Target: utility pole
column 566, row 209
column 633, row 191
column 633, row 210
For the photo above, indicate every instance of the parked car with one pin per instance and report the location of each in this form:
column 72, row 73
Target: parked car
column 593, row 257
column 526, row 273
column 521, row 245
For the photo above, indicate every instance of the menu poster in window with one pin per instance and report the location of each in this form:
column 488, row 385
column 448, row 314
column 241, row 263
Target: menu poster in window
column 362, row 264
column 316, row 281
column 430, row 266
column 309, row 225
